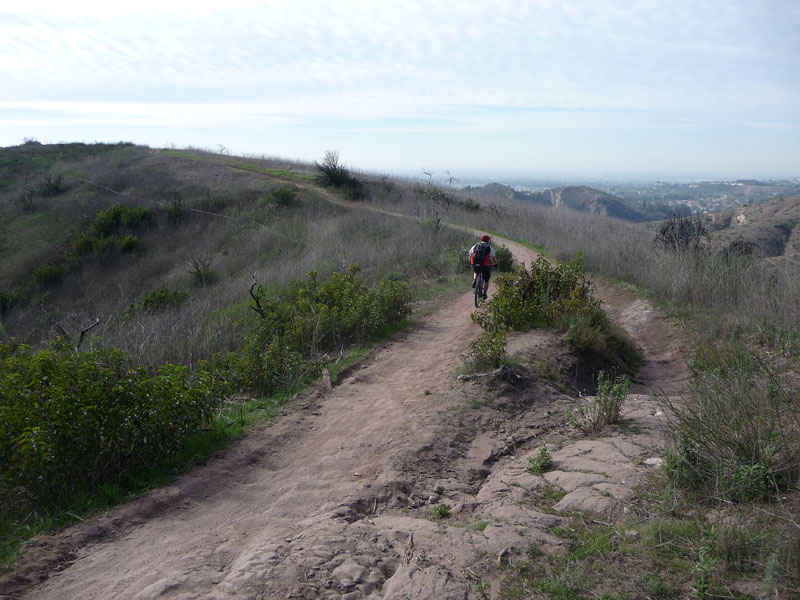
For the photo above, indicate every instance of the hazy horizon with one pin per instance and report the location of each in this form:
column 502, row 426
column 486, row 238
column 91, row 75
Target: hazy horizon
column 688, row 90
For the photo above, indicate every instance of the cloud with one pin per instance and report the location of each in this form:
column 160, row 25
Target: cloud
column 481, row 68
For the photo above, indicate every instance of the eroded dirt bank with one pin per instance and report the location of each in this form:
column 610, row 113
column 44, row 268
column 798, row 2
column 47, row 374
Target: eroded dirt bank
column 334, row 500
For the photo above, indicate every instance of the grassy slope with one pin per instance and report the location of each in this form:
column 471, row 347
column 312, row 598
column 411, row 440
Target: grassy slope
column 230, row 219
column 229, row 216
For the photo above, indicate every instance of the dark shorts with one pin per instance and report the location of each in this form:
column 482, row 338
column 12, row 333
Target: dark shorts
column 487, row 271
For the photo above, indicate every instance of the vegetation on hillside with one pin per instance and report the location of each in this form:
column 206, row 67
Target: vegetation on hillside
column 160, row 249
column 558, row 296
column 130, row 289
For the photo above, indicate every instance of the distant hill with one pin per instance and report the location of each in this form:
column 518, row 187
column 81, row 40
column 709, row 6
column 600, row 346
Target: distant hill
column 770, row 228
column 498, row 191
column 580, row 198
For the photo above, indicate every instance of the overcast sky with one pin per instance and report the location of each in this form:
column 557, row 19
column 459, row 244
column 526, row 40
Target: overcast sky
column 668, row 88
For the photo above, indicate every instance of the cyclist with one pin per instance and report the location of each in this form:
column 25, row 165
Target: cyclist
column 482, row 258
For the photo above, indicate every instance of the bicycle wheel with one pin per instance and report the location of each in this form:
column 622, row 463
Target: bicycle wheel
column 478, row 290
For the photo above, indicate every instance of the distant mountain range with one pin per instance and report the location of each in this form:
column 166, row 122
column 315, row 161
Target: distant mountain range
column 576, row 197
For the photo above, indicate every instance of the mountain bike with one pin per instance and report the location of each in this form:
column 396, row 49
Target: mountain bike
column 478, row 290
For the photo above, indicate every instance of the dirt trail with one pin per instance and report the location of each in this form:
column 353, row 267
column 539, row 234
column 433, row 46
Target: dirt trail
column 334, row 500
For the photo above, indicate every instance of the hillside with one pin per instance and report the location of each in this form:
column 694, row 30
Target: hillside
column 125, row 224
column 586, row 199
column 247, row 302
column 579, row 198
column 766, row 229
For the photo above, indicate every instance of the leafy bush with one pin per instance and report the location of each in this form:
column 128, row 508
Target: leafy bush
column 297, row 327
column 471, row 205
column 49, row 275
column 488, row 351
column 136, row 218
column 157, row 301
column 283, row 195
column 606, row 407
column 558, row 296
column 83, row 243
column 505, row 260
column 107, row 225
column 130, row 244
column 545, row 296
column 108, row 221
column 331, row 171
column 70, row 419
column 103, row 247
column 738, row 435
column 440, row 511
column 540, row 462
column 333, row 174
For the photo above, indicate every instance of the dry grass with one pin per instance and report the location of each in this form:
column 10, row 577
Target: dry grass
column 230, row 218
column 726, row 294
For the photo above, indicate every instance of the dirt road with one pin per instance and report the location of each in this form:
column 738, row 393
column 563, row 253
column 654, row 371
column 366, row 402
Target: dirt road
column 335, row 500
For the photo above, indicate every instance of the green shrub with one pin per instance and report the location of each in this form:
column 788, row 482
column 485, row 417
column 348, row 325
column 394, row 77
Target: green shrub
column 505, row 260
column 546, row 296
column 130, row 244
column 83, row 243
column 606, row 407
column 488, row 351
column 136, row 218
column 283, row 195
column 107, row 222
column 154, row 302
column 103, row 247
column 117, row 218
column 49, row 275
column 333, row 174
column 540, row 462
column 295, row 329
column 471, row 205
column 70, row 420
column 558, row 296
column 738, row 436
column 395, row 299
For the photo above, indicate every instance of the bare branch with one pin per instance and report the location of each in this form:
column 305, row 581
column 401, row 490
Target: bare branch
column 87, row 330
column 504, row 372
column 257, row 307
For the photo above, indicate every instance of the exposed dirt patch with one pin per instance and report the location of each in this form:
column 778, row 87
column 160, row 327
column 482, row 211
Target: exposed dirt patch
column 336, row 499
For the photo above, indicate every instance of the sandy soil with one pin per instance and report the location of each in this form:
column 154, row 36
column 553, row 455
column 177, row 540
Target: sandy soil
column 334, row 499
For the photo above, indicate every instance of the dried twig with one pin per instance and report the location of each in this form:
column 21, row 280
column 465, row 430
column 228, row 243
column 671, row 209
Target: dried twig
column 505, row 372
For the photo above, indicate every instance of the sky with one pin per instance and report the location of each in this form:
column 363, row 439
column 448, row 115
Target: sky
column 678, row 88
